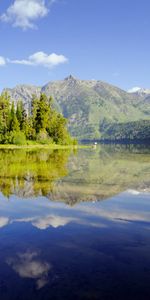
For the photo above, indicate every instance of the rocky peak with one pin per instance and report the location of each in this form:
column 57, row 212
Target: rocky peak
column 70, row 78
column 139, row 91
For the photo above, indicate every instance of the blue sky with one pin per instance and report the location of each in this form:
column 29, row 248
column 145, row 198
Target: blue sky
column 47, row 40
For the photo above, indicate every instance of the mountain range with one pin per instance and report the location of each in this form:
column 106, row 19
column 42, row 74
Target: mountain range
column 92, row 107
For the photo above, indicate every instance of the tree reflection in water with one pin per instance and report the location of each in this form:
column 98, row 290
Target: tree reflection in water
column 60, row 175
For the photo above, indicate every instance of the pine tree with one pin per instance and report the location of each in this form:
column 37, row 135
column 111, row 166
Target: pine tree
column 4, row 116
column 19, row 113
column 42, row 114
column 43, row 124
column 14, row 124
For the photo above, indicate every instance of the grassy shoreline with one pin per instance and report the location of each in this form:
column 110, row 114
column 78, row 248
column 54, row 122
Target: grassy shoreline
column 42, row 146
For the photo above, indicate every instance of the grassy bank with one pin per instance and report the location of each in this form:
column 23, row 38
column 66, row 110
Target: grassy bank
column 42, row 146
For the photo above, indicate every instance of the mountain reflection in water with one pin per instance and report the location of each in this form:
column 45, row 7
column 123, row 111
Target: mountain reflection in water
column 89, row 174
column 59, row 240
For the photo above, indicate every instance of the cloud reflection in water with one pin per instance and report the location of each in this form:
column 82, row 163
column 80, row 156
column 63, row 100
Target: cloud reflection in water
column 28, row 265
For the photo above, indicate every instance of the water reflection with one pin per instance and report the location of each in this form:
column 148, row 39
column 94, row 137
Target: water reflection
column 89, row 175
column 28, row 265
column 44, row 214
column 4, row 221
column 31, row 173
column 87, row 250
column 49, row 250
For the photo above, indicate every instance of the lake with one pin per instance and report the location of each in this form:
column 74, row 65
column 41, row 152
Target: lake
column 75, row 224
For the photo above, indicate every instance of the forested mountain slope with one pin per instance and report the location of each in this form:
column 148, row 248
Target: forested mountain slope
column 90, row 106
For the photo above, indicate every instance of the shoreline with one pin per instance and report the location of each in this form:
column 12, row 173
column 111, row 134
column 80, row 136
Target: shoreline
column 40, row 146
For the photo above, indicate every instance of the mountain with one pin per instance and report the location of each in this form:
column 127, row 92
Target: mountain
column 137, row 131
column 139, row 91
column 24, row 92
column 89, row 105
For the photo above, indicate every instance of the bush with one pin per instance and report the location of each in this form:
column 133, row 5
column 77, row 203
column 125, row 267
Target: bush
column 75, row 142
column 19, row 138
column 43, row 137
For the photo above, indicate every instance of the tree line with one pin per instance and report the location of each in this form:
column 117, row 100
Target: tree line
column 43, row 124
column 129, row 131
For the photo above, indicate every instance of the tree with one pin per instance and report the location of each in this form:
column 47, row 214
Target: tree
column 4, row 113
column 19, row 113
column 43, row 123
column 42, row 114
column 14, row 124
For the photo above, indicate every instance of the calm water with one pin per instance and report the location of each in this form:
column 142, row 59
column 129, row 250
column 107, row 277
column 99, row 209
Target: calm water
column 75, row 225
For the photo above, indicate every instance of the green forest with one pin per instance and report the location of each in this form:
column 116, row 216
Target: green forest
column 130, row 131
column 43, row 124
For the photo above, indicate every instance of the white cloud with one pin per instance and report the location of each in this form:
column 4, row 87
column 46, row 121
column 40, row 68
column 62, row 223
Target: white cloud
column 133, row 192
column 2, row 61
column 38, row 59
column 134, row 89
column 28, row 265
column 4, row 221
column 24, row 13
column 42, row 59
column 47, row 221
column 52, row 220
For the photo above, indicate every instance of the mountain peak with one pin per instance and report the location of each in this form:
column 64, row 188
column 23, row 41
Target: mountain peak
column 134, row 90
column 70, row 78
column 89, row 106
column 139, row 91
